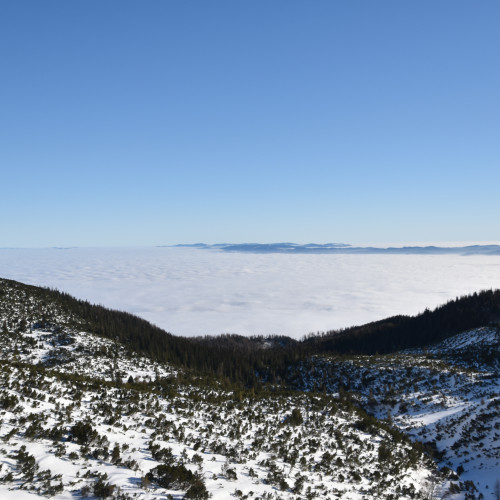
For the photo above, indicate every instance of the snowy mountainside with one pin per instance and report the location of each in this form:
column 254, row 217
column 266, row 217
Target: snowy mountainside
column 67, row 435
column 446, row 395
column 478, row 348
column 83, row 415
column 80, row 353
column 476, row 339
column 64, row 438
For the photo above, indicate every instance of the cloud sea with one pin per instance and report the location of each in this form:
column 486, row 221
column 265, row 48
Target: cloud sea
column 192, row 291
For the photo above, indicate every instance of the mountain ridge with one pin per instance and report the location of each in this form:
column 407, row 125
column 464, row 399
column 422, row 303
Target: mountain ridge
column 344, row 248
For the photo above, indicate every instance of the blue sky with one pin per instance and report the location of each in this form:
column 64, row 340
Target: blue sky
column 144, row 123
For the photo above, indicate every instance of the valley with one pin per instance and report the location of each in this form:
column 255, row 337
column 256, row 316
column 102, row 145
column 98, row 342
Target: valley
column 83, row 414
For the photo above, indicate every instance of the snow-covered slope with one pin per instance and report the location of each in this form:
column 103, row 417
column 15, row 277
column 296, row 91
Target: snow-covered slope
column 81, row 415
column 72, row 428
column 447, row 396
column 477, row 339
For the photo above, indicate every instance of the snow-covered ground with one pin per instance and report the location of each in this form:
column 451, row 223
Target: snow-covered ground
column 195, row 292
column 239, row 446
column 73, row 423
column 447, row 395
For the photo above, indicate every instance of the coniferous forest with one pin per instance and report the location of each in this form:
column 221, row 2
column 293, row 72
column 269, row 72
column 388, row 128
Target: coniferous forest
column 249, row 361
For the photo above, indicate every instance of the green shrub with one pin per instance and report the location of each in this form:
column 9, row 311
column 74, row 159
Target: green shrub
column 171, row 476
column 102, row 489
column 83, row 433
column 295, row 418
column 197, row 490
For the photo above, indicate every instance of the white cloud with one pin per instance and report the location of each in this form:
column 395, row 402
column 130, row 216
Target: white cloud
column 196, row 292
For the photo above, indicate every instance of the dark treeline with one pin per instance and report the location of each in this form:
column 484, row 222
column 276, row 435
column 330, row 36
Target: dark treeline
column 229, row 358
column 401, row 332
column 251, row 361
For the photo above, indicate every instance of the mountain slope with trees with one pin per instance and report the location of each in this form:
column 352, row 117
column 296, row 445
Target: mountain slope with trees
column 249, row 361
column 84, row 414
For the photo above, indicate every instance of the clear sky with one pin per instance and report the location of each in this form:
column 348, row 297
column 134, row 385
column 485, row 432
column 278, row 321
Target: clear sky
column 158, row 122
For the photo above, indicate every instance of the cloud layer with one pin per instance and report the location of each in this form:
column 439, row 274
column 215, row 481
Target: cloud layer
column 189, row 291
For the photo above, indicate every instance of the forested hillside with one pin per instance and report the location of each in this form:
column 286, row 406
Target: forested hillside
column 250, row 361
column 401, row 332
column 85, row 414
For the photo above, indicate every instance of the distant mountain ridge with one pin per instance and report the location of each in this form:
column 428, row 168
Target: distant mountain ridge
column 343, row 248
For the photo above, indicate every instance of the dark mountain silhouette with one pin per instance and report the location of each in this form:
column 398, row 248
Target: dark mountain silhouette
column 249, row 361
